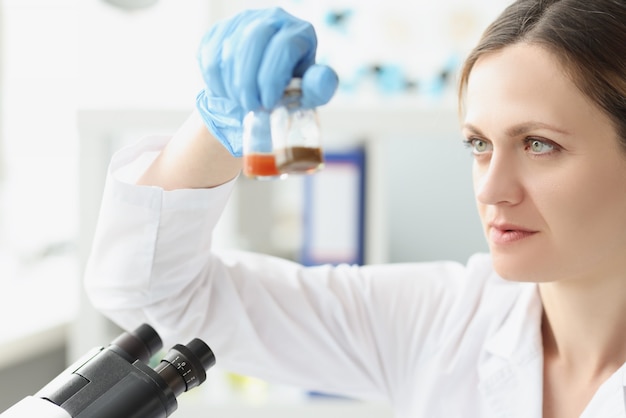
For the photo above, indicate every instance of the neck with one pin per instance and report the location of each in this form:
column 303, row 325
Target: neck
column 583, row 323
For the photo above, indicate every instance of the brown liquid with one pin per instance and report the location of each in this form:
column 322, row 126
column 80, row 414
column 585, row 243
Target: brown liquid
column 299, row 159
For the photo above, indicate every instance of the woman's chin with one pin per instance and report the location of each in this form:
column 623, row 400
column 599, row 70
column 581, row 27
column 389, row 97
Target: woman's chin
column 517, row 270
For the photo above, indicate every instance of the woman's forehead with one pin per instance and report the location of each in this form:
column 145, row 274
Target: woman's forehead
column 525, row 82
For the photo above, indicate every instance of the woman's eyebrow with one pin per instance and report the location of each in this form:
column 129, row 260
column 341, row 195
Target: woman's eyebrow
column 473, row 129
column 524, row 128
column 520, row 129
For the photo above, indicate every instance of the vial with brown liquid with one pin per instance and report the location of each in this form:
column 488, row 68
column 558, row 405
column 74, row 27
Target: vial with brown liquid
column 296, row 134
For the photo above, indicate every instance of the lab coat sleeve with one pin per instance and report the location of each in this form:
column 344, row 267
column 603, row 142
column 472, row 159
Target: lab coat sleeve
column 355, row 331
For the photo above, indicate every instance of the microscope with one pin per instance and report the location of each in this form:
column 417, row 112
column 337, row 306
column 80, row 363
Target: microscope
column 118, row 382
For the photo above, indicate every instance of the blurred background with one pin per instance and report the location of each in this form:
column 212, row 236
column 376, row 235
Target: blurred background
column 80, row 79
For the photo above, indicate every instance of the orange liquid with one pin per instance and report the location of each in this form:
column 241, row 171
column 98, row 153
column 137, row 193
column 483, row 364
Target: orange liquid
column 260, row 165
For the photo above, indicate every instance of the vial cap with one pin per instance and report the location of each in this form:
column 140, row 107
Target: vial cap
column 295, row 85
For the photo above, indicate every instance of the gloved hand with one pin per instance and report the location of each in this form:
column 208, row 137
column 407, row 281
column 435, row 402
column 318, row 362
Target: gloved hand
column 246, row 63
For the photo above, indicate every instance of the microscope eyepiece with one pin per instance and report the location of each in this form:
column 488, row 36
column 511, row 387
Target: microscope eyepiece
column 142, row 343
column 203, row 353
column 184, row 367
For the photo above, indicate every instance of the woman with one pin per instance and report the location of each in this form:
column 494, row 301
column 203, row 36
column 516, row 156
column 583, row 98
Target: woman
column 535, row 328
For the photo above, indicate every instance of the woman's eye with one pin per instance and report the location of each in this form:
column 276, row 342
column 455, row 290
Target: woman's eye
column 537, row 146
column 478, row 146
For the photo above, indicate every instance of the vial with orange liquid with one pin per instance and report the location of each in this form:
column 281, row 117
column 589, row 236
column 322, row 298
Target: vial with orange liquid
column 285, row 141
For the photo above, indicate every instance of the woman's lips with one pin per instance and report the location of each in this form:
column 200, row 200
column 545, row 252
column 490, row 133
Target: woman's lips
column 507, row 234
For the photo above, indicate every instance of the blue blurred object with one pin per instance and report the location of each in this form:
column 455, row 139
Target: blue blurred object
column 391, row 79
column 439, row 82
column 338, row 19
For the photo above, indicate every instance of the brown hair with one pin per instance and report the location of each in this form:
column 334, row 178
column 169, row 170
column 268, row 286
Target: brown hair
column 587, row 36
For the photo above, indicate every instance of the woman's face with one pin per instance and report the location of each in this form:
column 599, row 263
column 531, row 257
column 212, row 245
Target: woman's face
column 549, row 175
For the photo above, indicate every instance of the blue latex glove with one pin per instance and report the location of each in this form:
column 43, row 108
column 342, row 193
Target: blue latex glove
column 246, row 63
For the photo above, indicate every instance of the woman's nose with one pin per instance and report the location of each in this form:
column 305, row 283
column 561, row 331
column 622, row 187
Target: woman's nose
column 497, row 181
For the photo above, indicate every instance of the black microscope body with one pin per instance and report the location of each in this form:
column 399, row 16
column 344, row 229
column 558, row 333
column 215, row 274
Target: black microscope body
column 118, row 382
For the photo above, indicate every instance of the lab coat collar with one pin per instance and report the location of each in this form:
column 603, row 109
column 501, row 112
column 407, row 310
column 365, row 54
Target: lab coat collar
column 511, row 369
column 610, row 399
column 520, row 332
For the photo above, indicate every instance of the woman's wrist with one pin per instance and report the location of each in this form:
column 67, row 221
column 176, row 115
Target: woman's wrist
column 192, row 159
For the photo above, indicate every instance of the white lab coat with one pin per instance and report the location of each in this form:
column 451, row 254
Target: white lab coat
column 434, row 339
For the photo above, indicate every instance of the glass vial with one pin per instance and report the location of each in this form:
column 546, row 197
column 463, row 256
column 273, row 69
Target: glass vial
column 296, row 134
column 259, row 161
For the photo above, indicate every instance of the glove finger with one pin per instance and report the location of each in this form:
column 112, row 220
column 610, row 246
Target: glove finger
column 319, row 84
column 249, row 48
column 210, row 58
column 289, row 53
